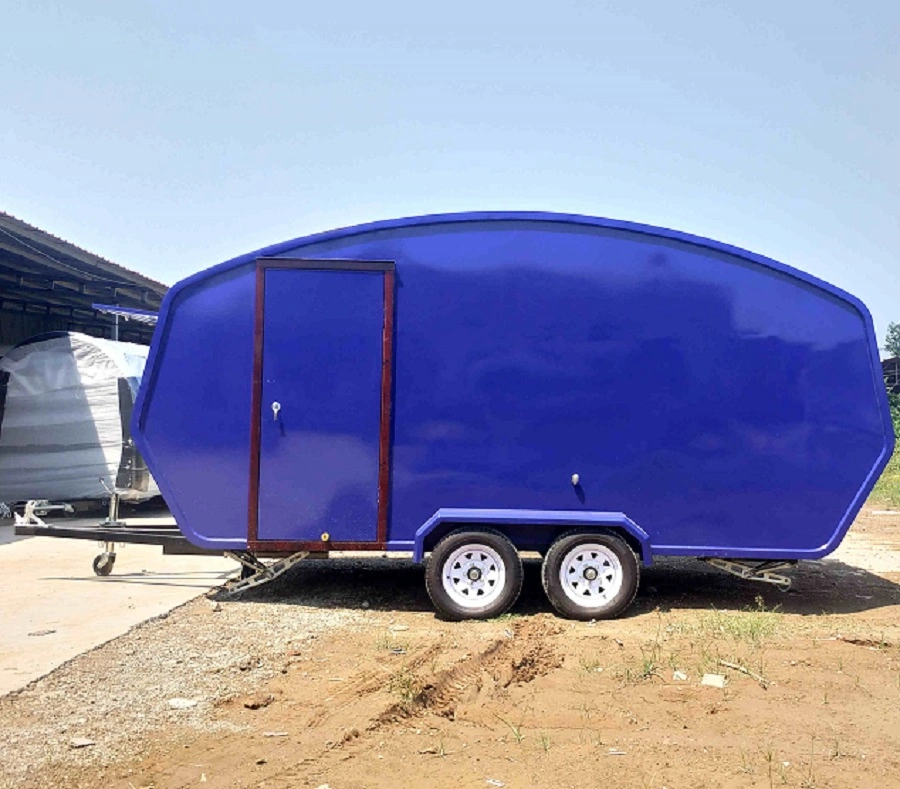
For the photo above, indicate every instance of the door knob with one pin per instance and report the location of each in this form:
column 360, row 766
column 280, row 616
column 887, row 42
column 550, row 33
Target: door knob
column 276, row 407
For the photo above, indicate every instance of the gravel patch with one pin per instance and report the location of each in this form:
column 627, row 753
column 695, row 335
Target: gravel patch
column 167, row 674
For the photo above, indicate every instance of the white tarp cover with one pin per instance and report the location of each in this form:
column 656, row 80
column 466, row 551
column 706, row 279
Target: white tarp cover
column 61, row 425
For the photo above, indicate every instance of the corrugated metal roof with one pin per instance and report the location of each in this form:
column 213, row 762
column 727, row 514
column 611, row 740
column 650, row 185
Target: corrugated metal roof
column 49, row 284
column 84, row 261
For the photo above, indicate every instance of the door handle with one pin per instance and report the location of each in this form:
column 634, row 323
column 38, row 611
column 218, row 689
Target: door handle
column 276, row 407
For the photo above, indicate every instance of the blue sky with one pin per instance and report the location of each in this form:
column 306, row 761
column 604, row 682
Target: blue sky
column 171, row 136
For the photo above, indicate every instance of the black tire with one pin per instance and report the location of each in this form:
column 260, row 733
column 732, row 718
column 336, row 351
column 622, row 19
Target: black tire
column 104, row 563
column 498, row 600
column 583, row 597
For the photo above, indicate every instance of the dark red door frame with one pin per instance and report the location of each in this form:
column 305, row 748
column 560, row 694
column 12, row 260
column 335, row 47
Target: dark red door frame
column 384, row 437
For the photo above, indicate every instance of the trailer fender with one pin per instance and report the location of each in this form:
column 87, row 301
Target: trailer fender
column 528, row 529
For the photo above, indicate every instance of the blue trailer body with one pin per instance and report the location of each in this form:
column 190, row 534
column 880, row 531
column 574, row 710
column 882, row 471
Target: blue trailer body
column 379, row 385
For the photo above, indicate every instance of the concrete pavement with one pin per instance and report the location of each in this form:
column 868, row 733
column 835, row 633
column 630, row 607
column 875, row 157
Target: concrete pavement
column 53, row 607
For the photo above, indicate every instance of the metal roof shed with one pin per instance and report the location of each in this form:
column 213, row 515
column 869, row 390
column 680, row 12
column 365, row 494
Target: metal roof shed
column 48, row 284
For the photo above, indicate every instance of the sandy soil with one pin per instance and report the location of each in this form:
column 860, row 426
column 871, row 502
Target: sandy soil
column 341, row 675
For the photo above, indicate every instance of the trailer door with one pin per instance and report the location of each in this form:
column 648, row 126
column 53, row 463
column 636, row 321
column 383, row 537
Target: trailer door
column 322, row 402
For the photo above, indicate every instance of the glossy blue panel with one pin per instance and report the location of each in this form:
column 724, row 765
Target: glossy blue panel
column 195, row 418
column 322, row 365
column 724, row 402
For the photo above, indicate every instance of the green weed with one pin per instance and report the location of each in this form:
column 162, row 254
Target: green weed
column 650, row 661
column 516, row 730
column 388, row 643
column 751, row 626
column 405, row 685
column 590, row 665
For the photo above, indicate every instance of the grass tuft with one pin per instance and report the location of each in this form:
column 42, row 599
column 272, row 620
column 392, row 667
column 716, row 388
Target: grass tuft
column 388, row 643
column 406, row 685
column 751, row 626
column 516, row 730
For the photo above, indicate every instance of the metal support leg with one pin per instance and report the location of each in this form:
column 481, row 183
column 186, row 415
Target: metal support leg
column 247, row 560
column 103, row 564
column 764, row 572
column 262, row 573
column 112, row 519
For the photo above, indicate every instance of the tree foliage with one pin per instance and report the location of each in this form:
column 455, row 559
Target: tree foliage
column 894, row 400
column 892, row 339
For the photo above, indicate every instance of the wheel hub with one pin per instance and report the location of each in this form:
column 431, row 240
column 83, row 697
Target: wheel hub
column 474, row 576
column 590, row 575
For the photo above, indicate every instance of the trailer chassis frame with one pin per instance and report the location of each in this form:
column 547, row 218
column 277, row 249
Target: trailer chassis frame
column 108, row 533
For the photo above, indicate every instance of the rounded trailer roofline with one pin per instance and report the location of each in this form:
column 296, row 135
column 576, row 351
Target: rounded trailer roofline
column 650, row 232
column 581, row 220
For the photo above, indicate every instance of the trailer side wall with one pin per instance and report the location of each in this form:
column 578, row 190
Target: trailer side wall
column 724, row 403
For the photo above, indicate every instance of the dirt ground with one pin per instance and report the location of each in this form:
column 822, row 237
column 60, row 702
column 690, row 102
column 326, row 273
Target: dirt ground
column 341, row 675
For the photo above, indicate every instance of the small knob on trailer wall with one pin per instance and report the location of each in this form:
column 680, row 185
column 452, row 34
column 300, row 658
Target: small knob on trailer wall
column 576, row 480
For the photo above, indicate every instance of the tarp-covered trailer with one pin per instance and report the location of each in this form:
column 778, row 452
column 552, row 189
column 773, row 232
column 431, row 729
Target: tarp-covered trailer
column 66, row 401
column 475, row 385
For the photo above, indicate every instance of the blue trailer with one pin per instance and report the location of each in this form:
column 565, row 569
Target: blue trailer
column 473, row 386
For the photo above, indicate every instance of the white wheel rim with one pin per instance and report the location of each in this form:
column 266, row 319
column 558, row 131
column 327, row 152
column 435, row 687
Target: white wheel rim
column 474, row 576
column 590, row 575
